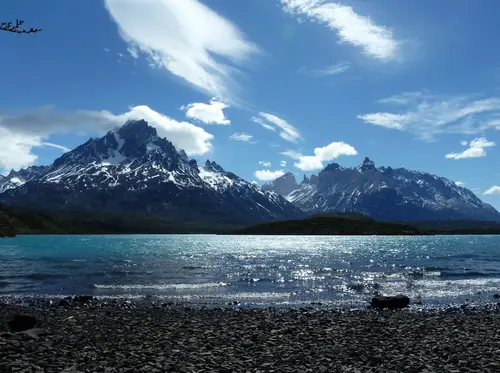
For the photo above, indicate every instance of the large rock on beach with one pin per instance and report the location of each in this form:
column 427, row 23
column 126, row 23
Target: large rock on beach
column 390, row 302
column 20, row 323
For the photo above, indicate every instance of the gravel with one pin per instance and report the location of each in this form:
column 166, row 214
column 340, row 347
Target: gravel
column 129, row 337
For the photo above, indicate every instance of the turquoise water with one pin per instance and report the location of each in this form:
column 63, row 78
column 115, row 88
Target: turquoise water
column 339, row 270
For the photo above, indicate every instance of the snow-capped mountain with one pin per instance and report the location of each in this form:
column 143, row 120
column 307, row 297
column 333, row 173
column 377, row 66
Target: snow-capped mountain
column 387, row 194
column 132, row 169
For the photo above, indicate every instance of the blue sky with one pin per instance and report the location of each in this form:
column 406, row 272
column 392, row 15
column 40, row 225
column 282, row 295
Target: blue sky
column 262, row 86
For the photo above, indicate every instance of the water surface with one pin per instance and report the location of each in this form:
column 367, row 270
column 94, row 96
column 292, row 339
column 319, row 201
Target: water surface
column 259, row 270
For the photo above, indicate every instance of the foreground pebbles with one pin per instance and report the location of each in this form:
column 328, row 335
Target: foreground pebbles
column 169, row 338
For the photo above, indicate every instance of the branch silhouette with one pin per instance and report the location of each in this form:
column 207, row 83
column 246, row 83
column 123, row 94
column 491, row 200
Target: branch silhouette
column 16, row 27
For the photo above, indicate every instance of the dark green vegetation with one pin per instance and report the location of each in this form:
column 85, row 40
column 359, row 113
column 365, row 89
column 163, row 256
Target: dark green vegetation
column 15, row 220
column 21, row 221
column 332, row 225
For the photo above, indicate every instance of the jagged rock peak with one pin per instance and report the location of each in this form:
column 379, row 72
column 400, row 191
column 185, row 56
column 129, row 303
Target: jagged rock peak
column 305, row 180
column 367, row 164
column 332, row 167
column 213, row 166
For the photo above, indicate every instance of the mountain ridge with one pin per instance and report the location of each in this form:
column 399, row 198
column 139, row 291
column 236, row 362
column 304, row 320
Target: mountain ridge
column 132, row 169
column 386, row 194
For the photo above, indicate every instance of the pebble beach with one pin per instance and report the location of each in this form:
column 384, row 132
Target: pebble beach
column 135, row 337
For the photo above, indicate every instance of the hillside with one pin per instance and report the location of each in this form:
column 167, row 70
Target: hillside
column 331, row 225
column 22, row 221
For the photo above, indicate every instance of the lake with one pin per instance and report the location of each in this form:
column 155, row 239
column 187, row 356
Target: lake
column 254, row 270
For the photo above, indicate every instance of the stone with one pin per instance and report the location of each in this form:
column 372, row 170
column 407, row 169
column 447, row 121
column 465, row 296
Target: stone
column 390, row 302
column 20, row 323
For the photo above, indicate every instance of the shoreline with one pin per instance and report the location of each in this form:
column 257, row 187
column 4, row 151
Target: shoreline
column 129, row 337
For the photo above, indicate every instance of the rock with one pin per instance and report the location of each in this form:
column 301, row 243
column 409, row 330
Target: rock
column 20, row 323
column 496, row 296
column 65, row 302
column 390, row 302
column 84, row 298
column 35, row 333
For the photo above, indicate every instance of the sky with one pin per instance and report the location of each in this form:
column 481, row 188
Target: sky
column 262, row 87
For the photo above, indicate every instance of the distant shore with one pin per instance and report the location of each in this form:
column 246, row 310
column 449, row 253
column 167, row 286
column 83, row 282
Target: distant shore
column 129, row 337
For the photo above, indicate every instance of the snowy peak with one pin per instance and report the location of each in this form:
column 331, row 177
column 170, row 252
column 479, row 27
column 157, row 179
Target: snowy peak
column 132, row 169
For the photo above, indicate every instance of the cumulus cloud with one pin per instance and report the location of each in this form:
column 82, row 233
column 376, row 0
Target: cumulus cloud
column 493, row 190
column 268, row 175
column 426, row 115
column 211, row 113
column 24, row 131
column 241, row 136
column 186, row 38
column 265, row 163
column 321, row 155
column 375, row 40
column 336, row 69
column 273, row 123
column 476, row 149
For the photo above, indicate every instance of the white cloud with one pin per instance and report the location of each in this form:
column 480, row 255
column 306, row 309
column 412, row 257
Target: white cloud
column 57, row 146
column 321, row 155
column 292, row 154
column 476, row 149
column 186, row 37
column 241, row 136
column 460, row 183
column 493, row 190
column 265, row 163
column 338, row 68
column 261, row 122
column 427, row 115
column 375, row 40
column 283, row 163
column 25, row 131
column 273, row 123
column 463, row 143
column 212, row 113
column 268, row 175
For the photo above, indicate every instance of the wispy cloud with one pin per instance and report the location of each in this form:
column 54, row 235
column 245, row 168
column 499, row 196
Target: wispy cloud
column 460, row 183
column 268, row 175
column 211, row 113
column 493, row 190
column 265, row 164
column 375, row 40
column 283, row 163
column 427, row 115
column 187, row 38
column 336, row 69
column 321, row 155
column 21, row 132
column 476, row 149
column 241, row 136
column 273, row 123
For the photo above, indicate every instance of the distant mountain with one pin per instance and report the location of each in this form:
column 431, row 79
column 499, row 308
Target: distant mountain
column 282, row 185
column 132, row 169
column 386, row 194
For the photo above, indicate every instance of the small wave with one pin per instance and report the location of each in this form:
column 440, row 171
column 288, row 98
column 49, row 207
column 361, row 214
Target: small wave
column 469, row 274
column 79, row 260
column 191, row 267
column 163, row 286
column 4, row 284
column 44, row 276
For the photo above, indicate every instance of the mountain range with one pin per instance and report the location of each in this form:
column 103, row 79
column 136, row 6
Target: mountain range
column 384, row 193
column 133, row 170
